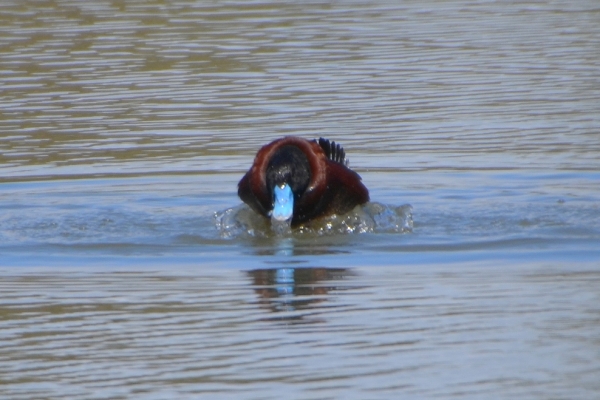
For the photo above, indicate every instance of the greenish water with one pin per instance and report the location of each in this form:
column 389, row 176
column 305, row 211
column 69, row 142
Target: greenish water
column 125, row 127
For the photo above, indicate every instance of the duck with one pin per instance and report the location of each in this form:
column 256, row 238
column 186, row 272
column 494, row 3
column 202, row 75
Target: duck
column 297, row 180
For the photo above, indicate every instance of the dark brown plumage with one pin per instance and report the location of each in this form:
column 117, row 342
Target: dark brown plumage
column 316, row 172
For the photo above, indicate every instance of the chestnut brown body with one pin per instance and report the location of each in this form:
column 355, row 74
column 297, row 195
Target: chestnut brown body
column 332, row 187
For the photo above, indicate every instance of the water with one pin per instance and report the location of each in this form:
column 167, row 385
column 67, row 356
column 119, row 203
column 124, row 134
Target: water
column 125, row 127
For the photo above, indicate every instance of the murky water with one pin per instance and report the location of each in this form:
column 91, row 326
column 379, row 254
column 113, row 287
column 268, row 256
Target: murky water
column 125, row 126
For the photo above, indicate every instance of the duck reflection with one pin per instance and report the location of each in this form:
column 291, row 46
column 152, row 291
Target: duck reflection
column 289, row 289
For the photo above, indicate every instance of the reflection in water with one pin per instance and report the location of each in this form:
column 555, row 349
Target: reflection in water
column 186, row 333
column 288, row 290
column 484, row 115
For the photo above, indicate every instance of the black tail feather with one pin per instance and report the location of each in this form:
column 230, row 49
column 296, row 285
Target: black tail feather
column 333, row 151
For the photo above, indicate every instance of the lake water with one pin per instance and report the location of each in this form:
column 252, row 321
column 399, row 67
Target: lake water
column 126, row 125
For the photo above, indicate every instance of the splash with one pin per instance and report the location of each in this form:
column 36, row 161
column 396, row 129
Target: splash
column 369, row 218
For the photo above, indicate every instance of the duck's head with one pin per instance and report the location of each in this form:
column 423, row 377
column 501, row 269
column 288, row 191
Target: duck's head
column 288, row 177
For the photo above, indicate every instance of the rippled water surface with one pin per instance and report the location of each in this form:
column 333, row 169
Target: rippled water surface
column 125, row 127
